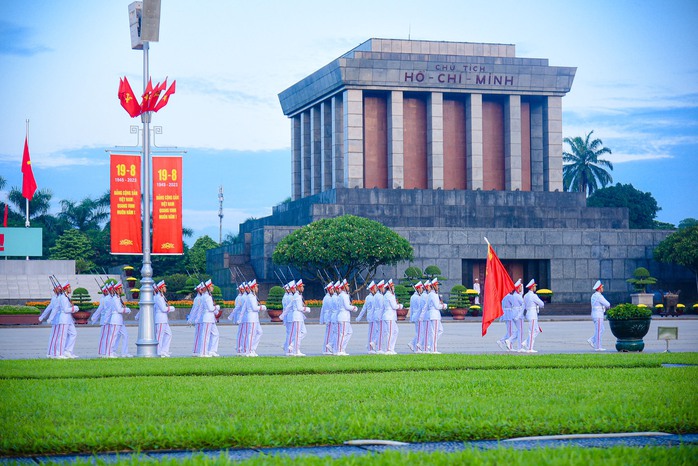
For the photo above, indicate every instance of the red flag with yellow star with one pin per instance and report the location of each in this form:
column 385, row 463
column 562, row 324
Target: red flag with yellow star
column 497, row 285
column 166, row 97
column 28, row 181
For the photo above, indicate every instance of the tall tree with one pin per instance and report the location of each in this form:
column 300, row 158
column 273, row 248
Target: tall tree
column 196, row 259
column 680, row 247
column 346, row 244
column 642, row 207
column 582, row 169
column 75, row 245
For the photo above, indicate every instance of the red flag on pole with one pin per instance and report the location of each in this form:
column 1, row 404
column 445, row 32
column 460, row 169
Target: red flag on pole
column 497, row 285
column 155, row 95
column 28, row 181
column 147, row 95
column 166, row 97
column 128, row 100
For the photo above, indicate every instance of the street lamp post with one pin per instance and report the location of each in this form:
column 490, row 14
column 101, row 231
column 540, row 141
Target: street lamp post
column 144, row 19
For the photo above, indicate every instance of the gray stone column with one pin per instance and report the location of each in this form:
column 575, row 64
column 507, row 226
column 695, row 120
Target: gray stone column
column 327, row 170
column 353, row 138
column 306, row 173
column 338, row 141
column 315, row 150
column 536, row 145
column 296, row 157
column 474, row 150
column 552, row 162
column 435, row 140
column 512, row 143
column 396, row 139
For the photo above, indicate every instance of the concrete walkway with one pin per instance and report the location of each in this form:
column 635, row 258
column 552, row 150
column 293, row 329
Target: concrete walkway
column 561, row 334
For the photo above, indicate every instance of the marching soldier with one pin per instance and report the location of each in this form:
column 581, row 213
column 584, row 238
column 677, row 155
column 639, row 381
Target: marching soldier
column 599, row 304
column 118, row 336
column 298, row 330
column 49, row 315
column 209, row 329
column 239, row 315
column 513, row 343
column 66, row 333
column 325, row 312
column 336, row 304
column 433, row 311
column 368, row 309
column 415, row 316
column 390, row 308
column 194, row 318
column 379, row 307
column 287, row 315
column 102, row 315
column 344, row 331
column 532, row 303
column 162, row 324
column 253, row 331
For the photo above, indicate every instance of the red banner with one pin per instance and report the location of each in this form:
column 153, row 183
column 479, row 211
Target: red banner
column 125, row 194
column 167, row 205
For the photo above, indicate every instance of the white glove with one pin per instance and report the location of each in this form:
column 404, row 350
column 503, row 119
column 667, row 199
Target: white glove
column 264, row 308
column 355, row 309
column 217, row 307
column 306, row 309
column 170, row 309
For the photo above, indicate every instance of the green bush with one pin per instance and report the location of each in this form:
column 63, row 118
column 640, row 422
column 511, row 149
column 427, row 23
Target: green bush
column 641, row 278
column 81, row 298
column 628, row 311
column 13, row 310
column 402, row 294
column 459, row 298
column 276, row 294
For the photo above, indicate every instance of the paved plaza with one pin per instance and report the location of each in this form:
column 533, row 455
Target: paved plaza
column 561, row 334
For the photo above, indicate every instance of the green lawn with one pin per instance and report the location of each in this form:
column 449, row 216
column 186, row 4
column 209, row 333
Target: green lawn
column 190, row 403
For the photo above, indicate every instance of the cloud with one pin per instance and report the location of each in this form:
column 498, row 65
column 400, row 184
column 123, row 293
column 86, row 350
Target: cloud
column 13, row 41
column 199, row 220
column 617, row 158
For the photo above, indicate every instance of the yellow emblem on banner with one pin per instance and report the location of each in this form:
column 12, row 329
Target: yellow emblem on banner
column 167, row 246
column 126, row 242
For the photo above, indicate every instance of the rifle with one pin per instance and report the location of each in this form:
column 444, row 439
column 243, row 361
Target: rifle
column 279, row 278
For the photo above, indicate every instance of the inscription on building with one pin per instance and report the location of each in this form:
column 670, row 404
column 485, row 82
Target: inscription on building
column 463, row 74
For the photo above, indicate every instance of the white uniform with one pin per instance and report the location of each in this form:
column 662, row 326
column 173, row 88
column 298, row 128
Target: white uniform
column 241, row 320
column 334, row 310
column 117, row 330
column 368, row 310
column 378, row 308
column 287, row 318
column 344, row 331
column 253, row 331
column 66, row 333
column 390, row 330
column 194, row 318
column 49, row 315
column 298, row 310
column 424, row 323
column 517, row 315
column 416, row 307
column 101, row 316
column 434, row 327
column 162, row 324
column 209, row 329
column 507, row 303
column 325, row 311
column 599, row 304
column 532, row 303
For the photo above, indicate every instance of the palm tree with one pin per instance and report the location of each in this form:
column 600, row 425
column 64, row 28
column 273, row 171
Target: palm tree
column 582, row 169
column 38, row 205
column 86, row 215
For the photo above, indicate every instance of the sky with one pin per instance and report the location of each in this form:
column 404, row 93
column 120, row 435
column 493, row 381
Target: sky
column 636, row 86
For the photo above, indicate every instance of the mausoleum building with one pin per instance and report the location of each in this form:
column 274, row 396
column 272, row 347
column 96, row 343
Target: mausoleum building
column 446, row 143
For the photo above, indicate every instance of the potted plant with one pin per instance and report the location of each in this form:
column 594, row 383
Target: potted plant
column 641, row 278
column 20, row 315
column 81, row 298
column 545, row 294
column 402, row 295
column 131, row 282
column 629, row 324
column 274, row 307
column 128, row 270
column 695, row 308
column 135, row 293
column 459, row 302
column 475, row 310
column 680, row 309
column 659, row 308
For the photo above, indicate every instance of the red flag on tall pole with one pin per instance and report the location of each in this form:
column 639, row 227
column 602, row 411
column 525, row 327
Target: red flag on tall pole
column 28, row 181
column 497, row 285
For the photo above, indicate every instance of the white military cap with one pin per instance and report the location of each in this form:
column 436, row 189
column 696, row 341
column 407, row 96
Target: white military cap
column 531, row 283
column 597, row 285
